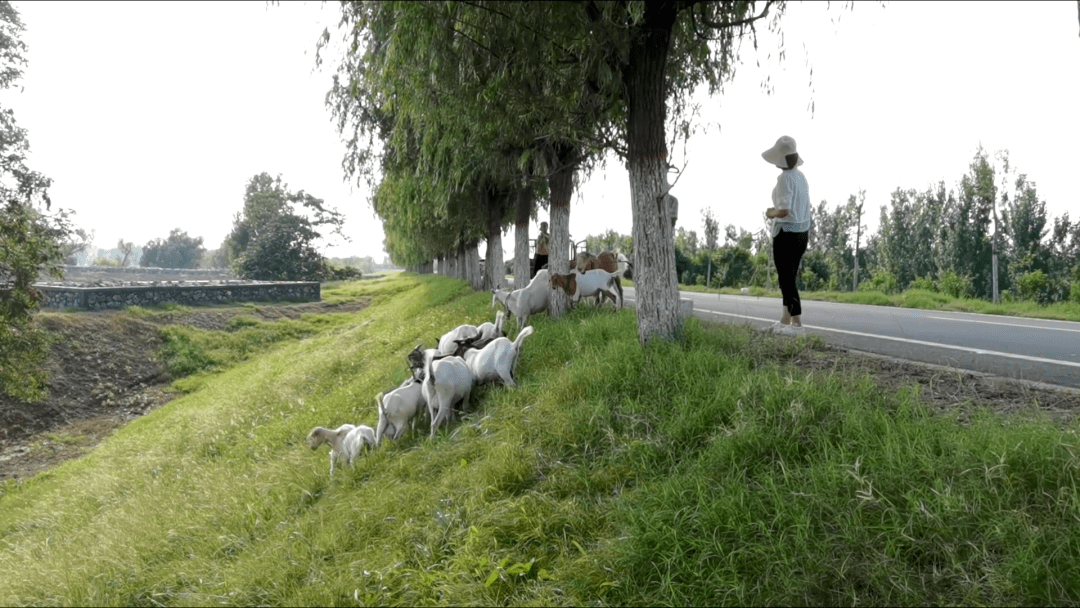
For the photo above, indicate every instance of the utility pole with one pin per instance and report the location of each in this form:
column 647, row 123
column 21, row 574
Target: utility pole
column 858, row 233
column 993, row 248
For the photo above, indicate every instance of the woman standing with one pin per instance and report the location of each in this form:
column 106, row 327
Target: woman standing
column 543, row 241
column 790, row 215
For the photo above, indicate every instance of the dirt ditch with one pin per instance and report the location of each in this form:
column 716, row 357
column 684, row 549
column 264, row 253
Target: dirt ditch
column 104, row 372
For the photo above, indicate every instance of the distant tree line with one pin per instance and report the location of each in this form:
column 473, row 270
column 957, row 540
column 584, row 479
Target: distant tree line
column 939, row 239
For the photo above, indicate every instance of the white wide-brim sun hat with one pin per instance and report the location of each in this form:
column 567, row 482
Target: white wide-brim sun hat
column 783, row 146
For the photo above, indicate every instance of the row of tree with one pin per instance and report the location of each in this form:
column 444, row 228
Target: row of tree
column 939, row 238
column 468, row 117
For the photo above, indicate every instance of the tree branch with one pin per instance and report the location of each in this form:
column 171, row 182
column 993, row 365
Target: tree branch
column 749, row 20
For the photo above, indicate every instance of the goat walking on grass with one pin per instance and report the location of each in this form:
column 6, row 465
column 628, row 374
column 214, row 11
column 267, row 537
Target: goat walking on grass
column 399, row 408
column 496, row 361
column 446, row 381
column 346, row 442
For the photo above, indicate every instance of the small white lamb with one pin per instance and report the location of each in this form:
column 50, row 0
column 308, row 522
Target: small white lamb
column 496, row 361
column 346, row 442
column 399, row 408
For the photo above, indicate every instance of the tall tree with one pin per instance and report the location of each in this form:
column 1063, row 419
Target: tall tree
column 30, row 237
column 968, row 251
column 855, row 211
column 177, row 251
column 712, row 236
column 578, row 76
column 271, row 240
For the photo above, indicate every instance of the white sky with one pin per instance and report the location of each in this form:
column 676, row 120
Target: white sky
column 151, row 116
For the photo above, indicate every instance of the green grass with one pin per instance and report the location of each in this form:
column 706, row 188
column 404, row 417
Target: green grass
column 703, row 472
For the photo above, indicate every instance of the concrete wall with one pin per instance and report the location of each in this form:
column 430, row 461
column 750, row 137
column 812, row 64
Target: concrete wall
column 99, row 298
column 109, row 273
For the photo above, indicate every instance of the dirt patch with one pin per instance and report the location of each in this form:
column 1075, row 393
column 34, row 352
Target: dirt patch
column 948, row 390
column 103, row 372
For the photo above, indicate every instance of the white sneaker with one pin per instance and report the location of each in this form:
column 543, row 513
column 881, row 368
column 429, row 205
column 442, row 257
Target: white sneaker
column 774, row 328
column 797, row 330
column 784, row 330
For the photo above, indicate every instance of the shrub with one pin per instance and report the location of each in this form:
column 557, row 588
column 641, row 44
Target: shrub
column 955, row 285
column 1074, row 292
column 924, row 283
column 811, row 280
column 1034, row 286
column 882, row 281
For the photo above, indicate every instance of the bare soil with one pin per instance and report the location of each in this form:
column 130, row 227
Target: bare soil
column 104, row 371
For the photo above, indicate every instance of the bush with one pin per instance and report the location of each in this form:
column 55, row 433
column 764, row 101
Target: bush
column 332, row 272
column 811, row 280
column 882, row 280
column 1074, row 292
column 955, row 285
column 924, row 283
column 1034, row 286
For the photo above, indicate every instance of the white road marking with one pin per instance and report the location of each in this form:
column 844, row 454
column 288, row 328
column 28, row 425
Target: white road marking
column 976, row 351
column 1009, row 324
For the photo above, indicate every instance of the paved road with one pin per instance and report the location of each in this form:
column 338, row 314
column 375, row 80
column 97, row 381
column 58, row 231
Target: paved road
column 1028, row 349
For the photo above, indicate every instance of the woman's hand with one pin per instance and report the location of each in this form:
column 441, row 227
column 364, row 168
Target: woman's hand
column 773, row 212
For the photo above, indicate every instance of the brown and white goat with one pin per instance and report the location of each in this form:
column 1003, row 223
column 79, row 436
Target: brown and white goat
column 598, row 282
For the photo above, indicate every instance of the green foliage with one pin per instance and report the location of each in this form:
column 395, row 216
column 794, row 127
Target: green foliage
column 29, row 242
column 30, row 239
column 107, row 262
column 923, row 283
column 882, row 280
column 955, row 285
column 271, row 240
column 177, row 251
column 610, row 241
column 186, row 350
column 1074, row 292
column 1035, row 286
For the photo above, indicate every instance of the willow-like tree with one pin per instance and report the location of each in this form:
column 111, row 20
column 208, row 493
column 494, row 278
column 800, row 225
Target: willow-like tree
column 577, row 77
column 476, row 97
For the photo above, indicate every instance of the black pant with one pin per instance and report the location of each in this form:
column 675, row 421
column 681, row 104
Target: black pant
column 788, row 249
column 538, row 263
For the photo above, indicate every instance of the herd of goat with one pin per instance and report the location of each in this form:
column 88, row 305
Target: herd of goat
column 444, row 376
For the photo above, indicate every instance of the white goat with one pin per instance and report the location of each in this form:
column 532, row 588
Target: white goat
column 397, row 409
column 448, row 343
column 346, row 442
column 531, row 299
column 496, row 361
column 500, row 295
column 447, row 380
column 595, row 282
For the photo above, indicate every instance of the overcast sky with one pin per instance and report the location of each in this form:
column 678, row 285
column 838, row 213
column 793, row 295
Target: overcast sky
column 151, row 116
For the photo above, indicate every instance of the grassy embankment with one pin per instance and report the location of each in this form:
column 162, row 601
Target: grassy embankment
column 703, row 472
column 920, row 298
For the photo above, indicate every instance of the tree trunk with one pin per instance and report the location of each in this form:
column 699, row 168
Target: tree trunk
column 523, row 209
column 494, row 272
column 657, row 286
column 561, row 185
column 472, row 266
